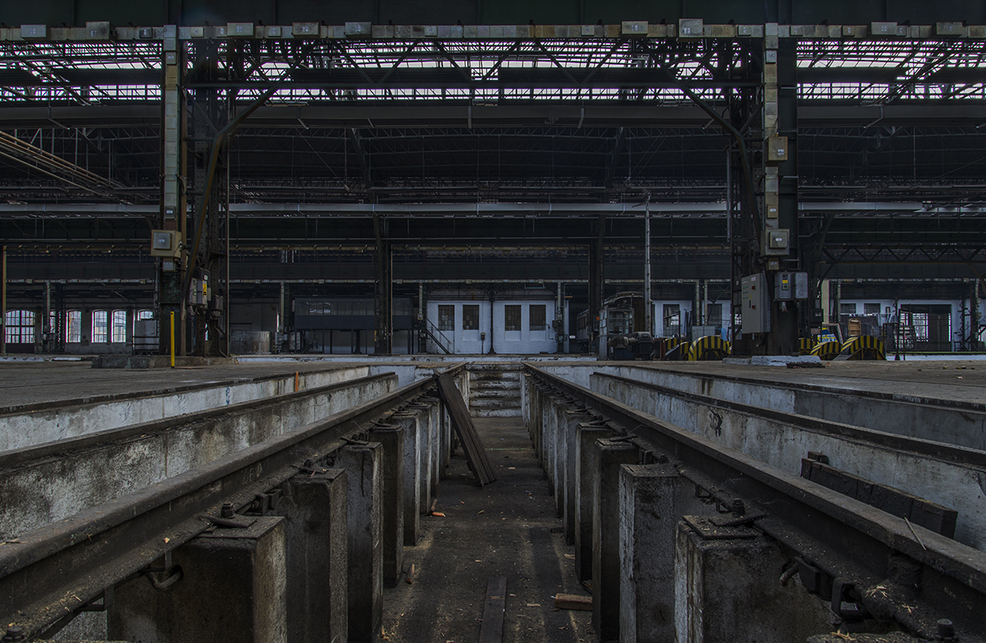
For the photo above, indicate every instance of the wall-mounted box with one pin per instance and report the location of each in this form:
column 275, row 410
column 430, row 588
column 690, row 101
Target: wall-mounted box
column 949, row 29
column 691, row 28
column 776, row 242
column 31, row 32
column 305, row 29
column 98, row 30
column 777, row 150
column 755, row 304
column 165, row 243
column 240, row 29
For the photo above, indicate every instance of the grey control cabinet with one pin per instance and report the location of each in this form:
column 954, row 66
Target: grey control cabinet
column 756, row 304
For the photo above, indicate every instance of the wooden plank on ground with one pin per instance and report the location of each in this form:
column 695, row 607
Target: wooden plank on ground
column 496, row 600
column 466, row 430
column 573, row 602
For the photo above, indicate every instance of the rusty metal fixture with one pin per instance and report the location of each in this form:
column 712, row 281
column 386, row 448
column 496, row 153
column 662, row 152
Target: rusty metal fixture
column 946, row 630
column 227, row 510
column 14, row 633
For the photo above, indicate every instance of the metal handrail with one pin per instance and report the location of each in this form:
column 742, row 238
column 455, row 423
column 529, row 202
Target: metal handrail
column 430, row 331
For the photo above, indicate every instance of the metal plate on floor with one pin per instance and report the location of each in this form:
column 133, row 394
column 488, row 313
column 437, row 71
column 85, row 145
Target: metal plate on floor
column 710, row 529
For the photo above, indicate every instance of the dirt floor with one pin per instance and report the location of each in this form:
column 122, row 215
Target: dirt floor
column 508, row 528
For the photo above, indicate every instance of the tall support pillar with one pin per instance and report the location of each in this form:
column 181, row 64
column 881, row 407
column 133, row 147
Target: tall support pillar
column 171, row 270
column 596, row 280
column 383, row 342
column 743, row 175
column 207, row 286
column 648, row 305
column 781, row 184
column 974, row 311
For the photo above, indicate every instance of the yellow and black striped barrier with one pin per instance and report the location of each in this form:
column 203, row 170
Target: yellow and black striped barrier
column 806, row 344
column 865, row 347
column 827, row 350
column 708, row 348
column 673, row 348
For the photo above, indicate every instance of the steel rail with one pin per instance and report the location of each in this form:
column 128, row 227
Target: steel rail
column 854, row 543
column 59, row 570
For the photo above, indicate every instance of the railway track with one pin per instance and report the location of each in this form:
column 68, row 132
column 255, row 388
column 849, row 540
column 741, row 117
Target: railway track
column 856, row 548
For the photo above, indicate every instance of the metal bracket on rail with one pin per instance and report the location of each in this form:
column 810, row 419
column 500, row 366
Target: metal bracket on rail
column 164, row 576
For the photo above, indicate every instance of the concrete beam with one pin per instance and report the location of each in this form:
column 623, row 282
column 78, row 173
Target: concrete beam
column 363, row 466
column 607, row 455
column 233, row 589
column 391, row 438
column 727, row 589
column 314, row 507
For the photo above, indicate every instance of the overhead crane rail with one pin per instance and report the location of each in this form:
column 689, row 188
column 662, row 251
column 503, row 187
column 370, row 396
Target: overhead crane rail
column 851, row 543
column 54, row 573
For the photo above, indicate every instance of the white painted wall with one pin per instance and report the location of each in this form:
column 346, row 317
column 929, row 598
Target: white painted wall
column 888, row 311
column 519, row 342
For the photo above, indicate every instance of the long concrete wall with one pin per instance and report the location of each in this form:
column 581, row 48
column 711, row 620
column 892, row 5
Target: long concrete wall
column 312, row 564
column 928, row 419
column 951, row 478
column 38, row 424
column 43, row 484
column 636, row 522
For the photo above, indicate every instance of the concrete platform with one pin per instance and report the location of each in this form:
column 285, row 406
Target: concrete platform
column 956, row 380
column 25, row 383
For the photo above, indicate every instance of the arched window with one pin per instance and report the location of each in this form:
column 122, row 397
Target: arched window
column 100, row 326
column 19, row 328
column 118, row 328
column 73, row 326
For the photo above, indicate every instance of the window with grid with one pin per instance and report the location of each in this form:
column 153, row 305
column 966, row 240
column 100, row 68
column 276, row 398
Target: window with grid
column 871, row 309
column 511, row 317
column 73, row 326
column 118, row 329
column 100, row 326
column 714, row 315
column 19, row 328
column 672, row 319
column 446, row 317
column 470, row 317
column 847, row 309
column 538, row 317
column 145, row 314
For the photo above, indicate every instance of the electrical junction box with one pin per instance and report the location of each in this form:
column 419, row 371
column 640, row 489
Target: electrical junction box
column 776, row 241
column 801, row 286
column 165, row 243
column 755, row 297
column 776, row 149
column 789, row 286
column 784, row 286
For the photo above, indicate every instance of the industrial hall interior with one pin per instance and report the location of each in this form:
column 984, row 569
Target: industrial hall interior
column 445, row 321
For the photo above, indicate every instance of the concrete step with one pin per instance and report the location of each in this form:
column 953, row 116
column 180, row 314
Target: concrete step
column 497, row 413
column 496, row 386
column 479, row 378
column 492, row 404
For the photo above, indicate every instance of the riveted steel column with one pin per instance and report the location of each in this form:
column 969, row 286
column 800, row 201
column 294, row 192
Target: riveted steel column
column 173, row 169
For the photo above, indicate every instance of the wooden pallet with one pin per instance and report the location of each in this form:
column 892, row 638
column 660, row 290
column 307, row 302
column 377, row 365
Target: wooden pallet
column 465, row 429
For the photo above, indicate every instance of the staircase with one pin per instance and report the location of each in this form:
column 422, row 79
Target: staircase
column 494, row 389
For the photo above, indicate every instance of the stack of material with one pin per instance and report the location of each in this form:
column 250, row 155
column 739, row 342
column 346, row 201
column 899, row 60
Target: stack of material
column 465, row 429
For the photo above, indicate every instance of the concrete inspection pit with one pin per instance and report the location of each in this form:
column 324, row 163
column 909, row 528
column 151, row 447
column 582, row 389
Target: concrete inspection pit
column 632, row 501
